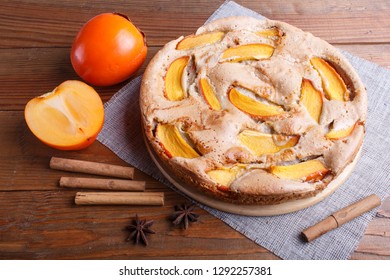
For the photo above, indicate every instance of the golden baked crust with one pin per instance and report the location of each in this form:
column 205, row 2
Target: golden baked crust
column 221, row 133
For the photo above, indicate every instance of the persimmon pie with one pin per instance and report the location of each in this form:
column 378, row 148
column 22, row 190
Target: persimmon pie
column 253, row 111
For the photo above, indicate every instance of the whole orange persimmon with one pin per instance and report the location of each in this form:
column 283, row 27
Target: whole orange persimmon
column 108, row 49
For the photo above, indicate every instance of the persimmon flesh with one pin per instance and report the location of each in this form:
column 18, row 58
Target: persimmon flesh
column 68, row 118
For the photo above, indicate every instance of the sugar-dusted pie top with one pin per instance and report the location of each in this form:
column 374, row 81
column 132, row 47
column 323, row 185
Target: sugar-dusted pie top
column 228, row 133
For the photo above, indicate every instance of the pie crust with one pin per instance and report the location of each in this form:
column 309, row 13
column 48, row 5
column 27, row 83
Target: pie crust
column 253, row 111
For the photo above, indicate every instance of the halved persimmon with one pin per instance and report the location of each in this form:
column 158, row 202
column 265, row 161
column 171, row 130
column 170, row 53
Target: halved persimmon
column 68, row 118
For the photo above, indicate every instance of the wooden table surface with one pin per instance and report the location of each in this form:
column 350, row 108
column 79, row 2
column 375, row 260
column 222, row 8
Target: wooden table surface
column 38, row 220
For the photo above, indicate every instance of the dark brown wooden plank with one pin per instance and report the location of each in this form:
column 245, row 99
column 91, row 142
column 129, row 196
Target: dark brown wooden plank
column 50, row 226
column 26, row 73
column 372, row 247
column 24, row 160
column 43, row 23
column 377, row 53
column 38, row 220
column 375, row 243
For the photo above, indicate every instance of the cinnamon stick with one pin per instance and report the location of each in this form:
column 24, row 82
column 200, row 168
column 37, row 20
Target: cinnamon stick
column 92, row 168
column 341, row 217
column 102, row 184
column 120, row 198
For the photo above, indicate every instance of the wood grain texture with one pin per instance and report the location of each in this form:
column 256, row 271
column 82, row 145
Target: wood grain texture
column 39, row 220
column 50, row 226
column 31, row 23
column 56, row 228
column 21, row 80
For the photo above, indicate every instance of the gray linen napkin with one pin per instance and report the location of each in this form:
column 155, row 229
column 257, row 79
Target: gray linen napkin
column 280, row 234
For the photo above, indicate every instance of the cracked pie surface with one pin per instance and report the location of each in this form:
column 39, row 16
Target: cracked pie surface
column 253, row 111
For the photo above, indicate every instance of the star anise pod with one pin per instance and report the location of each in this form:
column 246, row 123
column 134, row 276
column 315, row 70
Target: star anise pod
column 184, row 214
column 139, row 229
